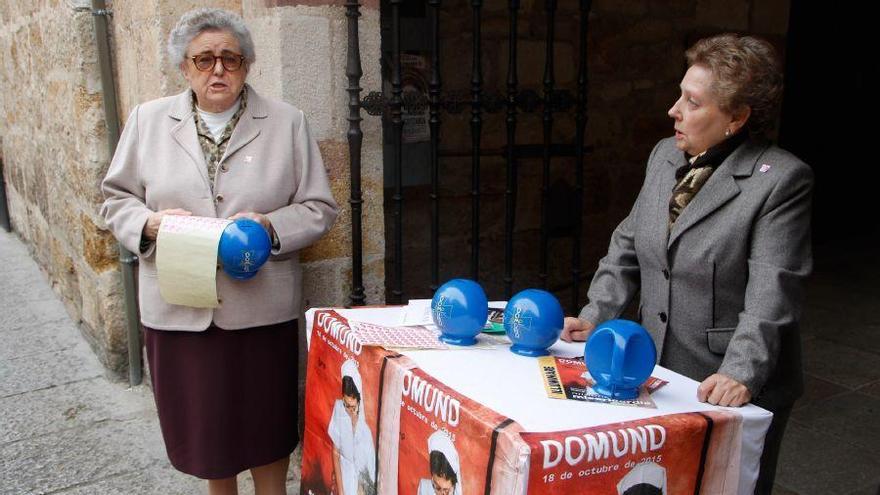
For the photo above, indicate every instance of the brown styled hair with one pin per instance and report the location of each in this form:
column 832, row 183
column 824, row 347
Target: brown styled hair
column 349, row 389
column 747, row 73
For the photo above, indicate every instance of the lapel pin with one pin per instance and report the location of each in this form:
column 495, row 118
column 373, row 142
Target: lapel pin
column 764, row 167
column 248, row 158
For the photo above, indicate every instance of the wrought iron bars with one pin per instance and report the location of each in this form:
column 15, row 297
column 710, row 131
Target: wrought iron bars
column 397, row 126
column 510, row 189
column 581, row 125
column 476, row 128
column 455, row 102
column 355, row 139
column 434, row 124
column 549, row 81
column 514, row 101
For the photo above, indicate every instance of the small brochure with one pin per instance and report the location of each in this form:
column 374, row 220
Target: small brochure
column 495, row 324
column 417, row 337
column 418, row 312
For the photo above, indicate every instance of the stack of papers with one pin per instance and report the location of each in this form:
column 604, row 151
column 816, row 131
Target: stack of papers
column 416, row 330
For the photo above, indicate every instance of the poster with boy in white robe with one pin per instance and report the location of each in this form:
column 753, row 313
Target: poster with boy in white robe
column 354, row 455
column 339, row 442
column 446, row 441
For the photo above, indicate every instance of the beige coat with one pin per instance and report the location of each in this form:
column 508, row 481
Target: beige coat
column 272, row 166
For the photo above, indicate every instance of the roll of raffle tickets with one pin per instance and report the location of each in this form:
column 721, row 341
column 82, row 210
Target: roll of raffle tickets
column 188, row 249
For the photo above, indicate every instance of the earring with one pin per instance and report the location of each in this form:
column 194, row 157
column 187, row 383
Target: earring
column 726, row 132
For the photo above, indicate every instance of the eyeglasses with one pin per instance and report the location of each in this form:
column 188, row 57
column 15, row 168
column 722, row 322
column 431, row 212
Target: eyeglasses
column 206, row 61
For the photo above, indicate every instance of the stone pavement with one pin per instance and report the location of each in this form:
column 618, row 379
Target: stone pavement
column 65, row 427
column 832, row 443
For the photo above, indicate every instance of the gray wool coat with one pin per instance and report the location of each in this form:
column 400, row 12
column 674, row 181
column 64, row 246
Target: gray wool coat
column 272, row 166
column 722, row 291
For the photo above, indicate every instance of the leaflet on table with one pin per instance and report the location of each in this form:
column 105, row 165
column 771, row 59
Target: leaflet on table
column 339, row 441
column 569, row 379
column 186, row 259
column 675, row 454
column 418, row 312
column 495, row 324
column 414, row 337
column 447, row 443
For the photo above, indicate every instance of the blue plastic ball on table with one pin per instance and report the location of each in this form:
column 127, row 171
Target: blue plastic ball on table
column 533, row 321
column 460, row 310
column 244, row 248
column 620, row 356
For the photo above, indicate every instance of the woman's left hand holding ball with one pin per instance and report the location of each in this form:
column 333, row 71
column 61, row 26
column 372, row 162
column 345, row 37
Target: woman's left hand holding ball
column 257, row 217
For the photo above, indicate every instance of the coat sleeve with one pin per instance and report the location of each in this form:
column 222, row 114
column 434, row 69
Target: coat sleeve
column 124, row 194
column 616, row 280
column 780, row 259
column 312, row 208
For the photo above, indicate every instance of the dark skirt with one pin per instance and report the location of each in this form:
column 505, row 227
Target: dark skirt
column 227, row 399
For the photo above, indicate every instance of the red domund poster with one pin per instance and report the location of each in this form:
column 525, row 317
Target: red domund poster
column 667, row 455
column 339, row 441
column 447, row 443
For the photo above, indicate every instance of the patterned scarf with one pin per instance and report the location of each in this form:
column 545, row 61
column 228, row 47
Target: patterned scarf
column 214, row 150
column 692, row 177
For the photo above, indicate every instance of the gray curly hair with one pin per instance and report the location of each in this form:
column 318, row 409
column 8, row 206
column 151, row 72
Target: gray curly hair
column 197, row 21
column 747, row 73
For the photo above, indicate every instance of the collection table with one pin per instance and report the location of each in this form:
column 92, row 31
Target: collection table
column 487, row 412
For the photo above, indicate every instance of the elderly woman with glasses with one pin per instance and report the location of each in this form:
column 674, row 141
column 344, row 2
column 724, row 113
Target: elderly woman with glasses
column 224, row 378
column 717, row 244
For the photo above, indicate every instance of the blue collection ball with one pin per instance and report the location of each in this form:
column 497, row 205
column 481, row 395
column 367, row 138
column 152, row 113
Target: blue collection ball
column 533, row 321
column 460, row 310
column 244, row 248
column 620, row 356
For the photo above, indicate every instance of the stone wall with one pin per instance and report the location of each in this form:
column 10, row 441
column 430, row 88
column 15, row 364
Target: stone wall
column 54, row 139
column 55, row 149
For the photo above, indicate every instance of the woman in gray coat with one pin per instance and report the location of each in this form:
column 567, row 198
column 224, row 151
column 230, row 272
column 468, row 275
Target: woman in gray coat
column 718, row 241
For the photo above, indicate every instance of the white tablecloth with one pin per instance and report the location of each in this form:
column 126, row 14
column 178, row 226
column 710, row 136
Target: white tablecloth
column 512, row 385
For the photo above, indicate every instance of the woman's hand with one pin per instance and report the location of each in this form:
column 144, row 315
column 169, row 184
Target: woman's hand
column 722, row 390
column 576, row 330
column 257, row 217
column 151, row 228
